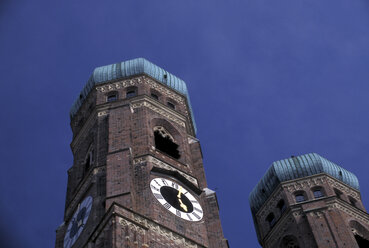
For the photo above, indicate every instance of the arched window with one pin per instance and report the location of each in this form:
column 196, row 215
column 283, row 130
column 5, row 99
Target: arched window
column 281, row 206
column 154, row 94
column 289, row 242
column 112, row 96
column 271, row 220
column 318, row 192
column 165, row 142
column 300, row 196
column 171, row 105
column 131, row 92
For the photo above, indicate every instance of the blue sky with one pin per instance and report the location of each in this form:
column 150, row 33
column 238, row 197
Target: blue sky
column 267, row 80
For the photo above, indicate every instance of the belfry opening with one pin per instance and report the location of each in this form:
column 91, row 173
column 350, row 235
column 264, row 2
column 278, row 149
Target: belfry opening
column 165, row 142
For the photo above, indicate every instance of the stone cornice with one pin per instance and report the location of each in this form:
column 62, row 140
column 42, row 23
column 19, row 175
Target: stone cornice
column 161, row 88
column 159, row 108
column 160, row 164
column 142, row 225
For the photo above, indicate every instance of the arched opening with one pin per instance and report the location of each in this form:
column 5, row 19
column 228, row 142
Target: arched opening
column 361, row 234
column 131, row 92
column 112, row 96
column 271, row 220
column 155, row 94
column 281, row 206
column 318, row 192
column 165, row 142
column 300, row 196
column 289, row 242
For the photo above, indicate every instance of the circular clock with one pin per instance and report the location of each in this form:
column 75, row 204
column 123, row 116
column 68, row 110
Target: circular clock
column 78, row 222
column 176, row 199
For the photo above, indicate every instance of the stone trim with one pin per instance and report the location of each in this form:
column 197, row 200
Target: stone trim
column 352, row 211
column 143, row 226
column 154, row 106
column 161, row 164
column 271, row 203
column 302, row 183
column 344, row 188
column 143, row 80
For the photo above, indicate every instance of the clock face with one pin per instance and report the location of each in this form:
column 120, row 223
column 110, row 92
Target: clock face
column 78, row 222
column 176, row 199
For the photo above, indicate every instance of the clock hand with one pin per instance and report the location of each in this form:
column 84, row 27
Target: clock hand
column 179, row 192
column 182, row 205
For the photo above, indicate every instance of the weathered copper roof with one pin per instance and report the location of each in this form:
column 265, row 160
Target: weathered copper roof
column 294, row 168
column 130, row 68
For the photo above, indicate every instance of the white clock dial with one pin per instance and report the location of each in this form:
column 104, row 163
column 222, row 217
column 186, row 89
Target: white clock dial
column 78, row 221
column 176, row 199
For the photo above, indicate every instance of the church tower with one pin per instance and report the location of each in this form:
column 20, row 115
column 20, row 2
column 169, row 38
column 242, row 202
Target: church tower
column 309, row 202
column 137, row 178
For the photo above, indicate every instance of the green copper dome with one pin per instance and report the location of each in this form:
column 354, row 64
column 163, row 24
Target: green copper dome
column 130, row 68
column 294, row 168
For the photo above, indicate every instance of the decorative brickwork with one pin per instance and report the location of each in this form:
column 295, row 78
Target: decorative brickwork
column 115, row 161
column 320, row 220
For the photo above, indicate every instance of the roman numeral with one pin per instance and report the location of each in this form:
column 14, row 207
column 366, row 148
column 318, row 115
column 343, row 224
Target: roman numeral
column 158, row 196
column 165, row 182
column 154, row 188
column 194, row 214
column 178, row 213
column 193, row 201
column 157, row 183
column 174, row 185
column 198, row 210
column 189, row 216
column 167, row 205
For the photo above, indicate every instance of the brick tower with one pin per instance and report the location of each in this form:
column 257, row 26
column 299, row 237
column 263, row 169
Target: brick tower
column 137, row 178
column 308, row 202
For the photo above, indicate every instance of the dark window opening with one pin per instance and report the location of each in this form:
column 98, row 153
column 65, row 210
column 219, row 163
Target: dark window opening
column 300, row 197
column 166, row 145
column 281, row 206
column 171, row 105
column 131, row 93
column 289, row 242
column 318, row 193
column 271, row 220
column 352, row 201
column 363, row 243
column 155, row 96
column 112, row 98
column 88, row 161
column 338, row 193
column 87, row 164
